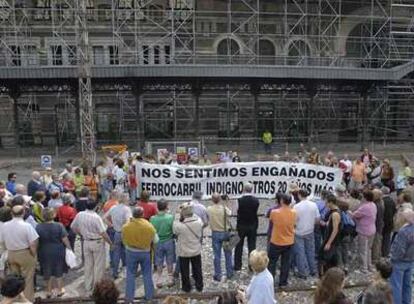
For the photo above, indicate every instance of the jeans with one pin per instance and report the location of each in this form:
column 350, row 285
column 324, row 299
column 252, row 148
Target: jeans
column 274, row 253
column 401, row 282
column 386, row 243
column 111, row 234
column 185, row 272
column 250, row 233
column 217, row 238
column 118, row 254
column 133, row 258
column 165, row 252
column 305, row 254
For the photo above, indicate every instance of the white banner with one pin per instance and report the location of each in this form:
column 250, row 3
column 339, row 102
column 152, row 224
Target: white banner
column 268, row 178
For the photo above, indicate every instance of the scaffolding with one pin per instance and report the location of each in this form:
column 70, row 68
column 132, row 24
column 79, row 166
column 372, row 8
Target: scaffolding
column 366, row 34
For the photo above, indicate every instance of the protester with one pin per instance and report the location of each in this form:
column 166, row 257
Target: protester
column 65, row 215
column 90, row 226
column 55, row 200
column 35, row 184
column 132, row 184
column 83, row 199
column 267, row 139
column 198, row 208
column 90, row 182
column 379, row 293
column 403, row 204
column 21, row 240
column 55, row 185
column 105, row 292
column 12, row 290
column 379, row 225
column 330, row 288
column 150, row 208
column 389, row 213
column 138, row 237
column 120, row 177
column 11, row 183
column 247, row 223
column 307, row 216
column 219, row 216
column 358, row 175
column 260, row 289
column 107, row 187
column 345, row 165
column 328, row 252
column 189, row 230
column 46, row 179
column 204, row 161
column 387, row 175
column 53, row 239
column 402, row 259
column 117, row 217
column 365, row 217
column 37, row 207
column 68, row 184
column 165, row 249
column 283, row 234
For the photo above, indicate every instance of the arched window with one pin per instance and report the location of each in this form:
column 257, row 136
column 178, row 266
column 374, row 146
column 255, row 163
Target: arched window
column 227, row 49
column 266, row 51
column 298, row 52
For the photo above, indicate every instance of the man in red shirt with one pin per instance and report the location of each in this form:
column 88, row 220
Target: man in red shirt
column 150, row 208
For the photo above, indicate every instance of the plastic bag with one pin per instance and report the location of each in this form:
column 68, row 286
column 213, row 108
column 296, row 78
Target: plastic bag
column 70, row 259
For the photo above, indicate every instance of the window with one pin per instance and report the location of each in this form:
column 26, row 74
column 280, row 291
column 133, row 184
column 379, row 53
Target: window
column 145, row 52
column 72, row 55
column 113, row 54
column 228, row 120
column 32, row 55
column 56, row 51
column 98, row 55
column 16, row 59
column 156, row 54
column 167, row 54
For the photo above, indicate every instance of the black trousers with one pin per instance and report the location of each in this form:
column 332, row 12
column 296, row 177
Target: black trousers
column 386, row 243
column 249, row 232
column 185, row 273
column 274, row 253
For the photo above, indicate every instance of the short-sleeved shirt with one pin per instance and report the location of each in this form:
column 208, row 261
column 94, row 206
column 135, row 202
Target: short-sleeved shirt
column 66, row 214
column 17, row 234
column 307, row 213
column 109, row 204
column 283, row 232
column 150, row 209
column 216, row 217
column 50, row 233
column 120, row 215
column 89, row 224
column 163, row 223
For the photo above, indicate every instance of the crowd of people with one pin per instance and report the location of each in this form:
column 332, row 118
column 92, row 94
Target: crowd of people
column 369, row 216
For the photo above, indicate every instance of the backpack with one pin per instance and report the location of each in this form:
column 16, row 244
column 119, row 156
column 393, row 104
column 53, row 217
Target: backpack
column 347, row 224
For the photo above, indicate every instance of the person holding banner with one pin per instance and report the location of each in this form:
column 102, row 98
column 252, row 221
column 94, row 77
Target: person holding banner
column 247, row 223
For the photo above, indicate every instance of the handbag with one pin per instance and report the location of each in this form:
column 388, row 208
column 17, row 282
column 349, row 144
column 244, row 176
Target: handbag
column 234, row 238
column 70, row 259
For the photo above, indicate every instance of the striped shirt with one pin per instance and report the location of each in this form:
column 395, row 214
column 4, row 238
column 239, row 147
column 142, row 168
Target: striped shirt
column 89, row 224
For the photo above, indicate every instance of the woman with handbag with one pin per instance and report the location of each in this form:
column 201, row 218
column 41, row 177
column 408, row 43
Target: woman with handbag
column 221, row 234
column 189, row 231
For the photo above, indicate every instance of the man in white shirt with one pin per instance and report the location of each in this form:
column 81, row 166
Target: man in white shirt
column 345, row 165
column 307, row 215
column 117, row 217
column 93, row 231
column 20, row 240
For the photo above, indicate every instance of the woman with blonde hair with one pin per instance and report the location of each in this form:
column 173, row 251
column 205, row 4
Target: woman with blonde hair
column 261, row 287
column 330, row 288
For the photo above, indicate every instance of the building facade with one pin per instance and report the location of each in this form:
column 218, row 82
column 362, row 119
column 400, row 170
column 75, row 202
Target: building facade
column 325, row 70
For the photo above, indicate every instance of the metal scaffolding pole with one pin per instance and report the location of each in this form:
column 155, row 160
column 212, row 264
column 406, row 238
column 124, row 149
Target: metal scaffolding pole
column 87, row 125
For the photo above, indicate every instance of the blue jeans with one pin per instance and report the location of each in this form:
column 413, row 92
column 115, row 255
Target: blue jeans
column 118, row 253
column 165, row 252
column 133, row 258
column 401, row 282
column 218, row 238
column 305, row 254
